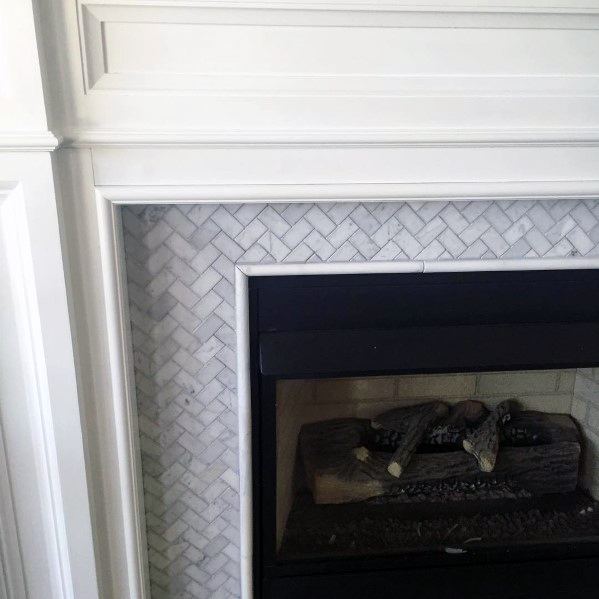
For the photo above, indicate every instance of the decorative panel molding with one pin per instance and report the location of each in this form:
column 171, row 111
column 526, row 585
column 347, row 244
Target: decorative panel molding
column 348, row 53
column 180, row 267
column 45, row 485
column 364, row 69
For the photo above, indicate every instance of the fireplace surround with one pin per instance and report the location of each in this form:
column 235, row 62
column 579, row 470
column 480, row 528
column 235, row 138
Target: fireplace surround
column 455, row 131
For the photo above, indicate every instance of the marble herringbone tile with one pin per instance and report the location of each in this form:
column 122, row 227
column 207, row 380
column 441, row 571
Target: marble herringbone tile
column 180, row 262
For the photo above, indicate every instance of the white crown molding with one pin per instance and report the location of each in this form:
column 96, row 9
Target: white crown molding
column 357, row 138
column 28, row 141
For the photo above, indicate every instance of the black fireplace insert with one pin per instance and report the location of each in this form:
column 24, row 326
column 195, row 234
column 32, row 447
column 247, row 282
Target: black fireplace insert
column 412, row 435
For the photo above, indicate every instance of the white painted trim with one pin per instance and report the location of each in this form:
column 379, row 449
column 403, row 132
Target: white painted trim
column 329, row 268
column 12, row 582
column 574, row 263
column 356, row 192
column 413, row 266
column 25, row 141
column 37, row 408
column 526, row 6
column 123, row 402
column 301, row 138
column 159, row 107
column 244, row 415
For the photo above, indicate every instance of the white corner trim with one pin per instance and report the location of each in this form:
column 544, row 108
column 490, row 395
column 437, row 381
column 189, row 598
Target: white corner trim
column 414, row 266
column 25, row 141
column 245, row 432
column 120, row 358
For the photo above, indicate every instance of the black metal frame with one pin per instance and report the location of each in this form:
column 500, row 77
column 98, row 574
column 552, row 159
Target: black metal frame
column 298, row 313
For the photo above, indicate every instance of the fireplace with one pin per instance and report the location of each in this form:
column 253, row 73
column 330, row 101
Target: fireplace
column 424, row 432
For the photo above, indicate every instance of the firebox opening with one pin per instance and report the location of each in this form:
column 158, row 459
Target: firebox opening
column 454, row 463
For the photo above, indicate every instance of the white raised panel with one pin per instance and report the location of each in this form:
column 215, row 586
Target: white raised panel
column 249, row 59
column 39, row 408
column 12, row 581
column 36, row 552
column 92, row 46
column 349, row 53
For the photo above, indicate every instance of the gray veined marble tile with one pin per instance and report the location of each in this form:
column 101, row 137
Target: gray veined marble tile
column 185, row 341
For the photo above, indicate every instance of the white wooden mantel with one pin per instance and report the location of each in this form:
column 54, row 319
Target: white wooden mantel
column 110, row 102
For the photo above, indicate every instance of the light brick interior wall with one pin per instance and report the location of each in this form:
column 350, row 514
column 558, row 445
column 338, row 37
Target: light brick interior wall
column 585, row 408
column 180, row 263
column 549, row 390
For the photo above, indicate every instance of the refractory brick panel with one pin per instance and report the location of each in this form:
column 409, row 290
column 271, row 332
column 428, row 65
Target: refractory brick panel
column 180, row 263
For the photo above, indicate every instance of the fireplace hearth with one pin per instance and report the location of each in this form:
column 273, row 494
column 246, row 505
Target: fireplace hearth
column 421, row 430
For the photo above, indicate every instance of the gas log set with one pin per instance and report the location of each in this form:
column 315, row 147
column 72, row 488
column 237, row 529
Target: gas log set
column 433, row 476
column 354, row 459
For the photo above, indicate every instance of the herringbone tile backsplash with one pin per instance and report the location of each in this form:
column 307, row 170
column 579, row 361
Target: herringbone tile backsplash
column 180, row 263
